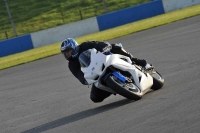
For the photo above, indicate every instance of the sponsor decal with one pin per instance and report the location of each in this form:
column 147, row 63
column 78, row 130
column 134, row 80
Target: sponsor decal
column 93, row 68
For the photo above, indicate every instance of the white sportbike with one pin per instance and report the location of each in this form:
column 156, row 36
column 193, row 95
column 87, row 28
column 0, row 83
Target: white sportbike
column 115, row 73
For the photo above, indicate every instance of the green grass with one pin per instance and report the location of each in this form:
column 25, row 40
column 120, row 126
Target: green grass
column 53, row 49
column 34, row 15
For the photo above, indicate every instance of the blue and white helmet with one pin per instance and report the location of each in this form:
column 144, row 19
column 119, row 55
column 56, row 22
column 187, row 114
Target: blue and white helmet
column 68, row 44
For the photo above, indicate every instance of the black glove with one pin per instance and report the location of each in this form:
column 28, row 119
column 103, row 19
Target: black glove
column 107, row 48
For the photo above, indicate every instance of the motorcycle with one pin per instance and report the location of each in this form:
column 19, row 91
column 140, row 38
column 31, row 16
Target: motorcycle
column 115, row 73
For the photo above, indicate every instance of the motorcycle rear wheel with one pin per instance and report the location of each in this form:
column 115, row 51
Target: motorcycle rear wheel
column 122, row 89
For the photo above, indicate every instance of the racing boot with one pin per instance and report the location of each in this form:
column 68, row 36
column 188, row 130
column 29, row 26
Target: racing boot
column 149, row 67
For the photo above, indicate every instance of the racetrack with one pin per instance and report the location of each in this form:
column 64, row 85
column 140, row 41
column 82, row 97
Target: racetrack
column 43, row 96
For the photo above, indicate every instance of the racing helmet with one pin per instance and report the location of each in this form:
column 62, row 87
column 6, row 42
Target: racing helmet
column 69, row 44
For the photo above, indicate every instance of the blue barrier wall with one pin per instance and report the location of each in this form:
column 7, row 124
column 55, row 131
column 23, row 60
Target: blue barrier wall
column 15, row 45
column 129, row 15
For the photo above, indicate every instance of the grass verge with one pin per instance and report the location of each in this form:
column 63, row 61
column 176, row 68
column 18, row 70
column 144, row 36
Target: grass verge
column 45, row 51
column 36, row 15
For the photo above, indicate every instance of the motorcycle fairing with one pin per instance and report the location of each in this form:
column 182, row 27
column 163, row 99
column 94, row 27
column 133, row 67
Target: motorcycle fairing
column 94, row 71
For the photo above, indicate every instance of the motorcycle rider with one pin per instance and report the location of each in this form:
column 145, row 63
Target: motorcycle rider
column 71, row 51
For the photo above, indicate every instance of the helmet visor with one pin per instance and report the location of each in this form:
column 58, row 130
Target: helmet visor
column 67, row 53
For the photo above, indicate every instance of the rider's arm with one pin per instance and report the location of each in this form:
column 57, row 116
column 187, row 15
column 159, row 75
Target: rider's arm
column 74, row 67
column 99, row 46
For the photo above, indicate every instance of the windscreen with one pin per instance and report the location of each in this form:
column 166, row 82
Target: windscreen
column 84, row 58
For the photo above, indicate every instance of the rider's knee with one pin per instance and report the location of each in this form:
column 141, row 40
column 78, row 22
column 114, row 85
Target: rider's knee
column 95, row 99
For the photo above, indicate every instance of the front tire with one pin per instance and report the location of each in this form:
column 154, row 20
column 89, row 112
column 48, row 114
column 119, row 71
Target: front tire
column 122, row 89
column 158, row 81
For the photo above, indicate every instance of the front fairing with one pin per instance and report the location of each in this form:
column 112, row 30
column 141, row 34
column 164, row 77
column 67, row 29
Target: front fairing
column 85, row 58
column 91, row 64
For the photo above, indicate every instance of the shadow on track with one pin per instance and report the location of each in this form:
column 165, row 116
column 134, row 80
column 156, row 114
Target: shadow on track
column 77, row 116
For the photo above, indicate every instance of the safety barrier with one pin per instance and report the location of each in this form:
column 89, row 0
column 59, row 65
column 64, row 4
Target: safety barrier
column 129, row 15
column 15, row 45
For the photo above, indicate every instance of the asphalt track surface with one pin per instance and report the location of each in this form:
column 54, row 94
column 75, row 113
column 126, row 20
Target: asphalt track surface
column 43, row 96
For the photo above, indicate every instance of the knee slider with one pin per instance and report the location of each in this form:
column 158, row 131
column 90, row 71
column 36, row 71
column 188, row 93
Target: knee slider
column 95, row 99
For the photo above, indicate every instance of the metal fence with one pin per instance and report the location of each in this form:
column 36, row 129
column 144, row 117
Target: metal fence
column 18, row 17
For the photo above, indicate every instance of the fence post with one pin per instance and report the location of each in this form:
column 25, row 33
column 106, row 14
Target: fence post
column 81, row 14
column 6, row 34
column 61, row 11
column 10, row 17
column 104, row 4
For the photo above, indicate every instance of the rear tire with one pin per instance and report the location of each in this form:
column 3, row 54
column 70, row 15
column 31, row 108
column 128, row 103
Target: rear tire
column 121, row 89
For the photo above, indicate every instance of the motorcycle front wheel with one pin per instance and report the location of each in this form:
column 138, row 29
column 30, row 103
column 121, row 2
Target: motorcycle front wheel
column 158, row 81
column 127, row 90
